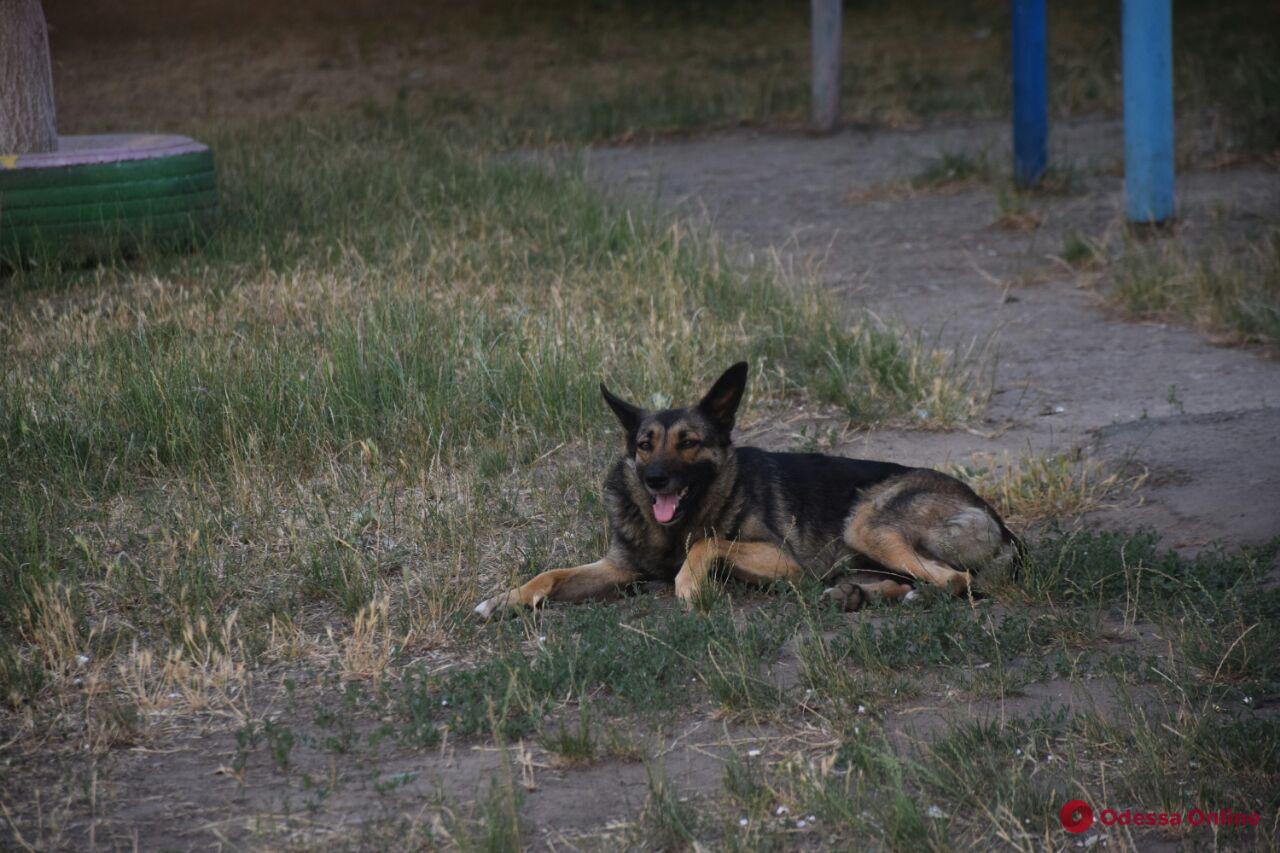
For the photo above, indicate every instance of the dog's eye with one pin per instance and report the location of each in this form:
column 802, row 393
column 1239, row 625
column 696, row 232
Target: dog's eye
column 645, row 445
column 687, row 443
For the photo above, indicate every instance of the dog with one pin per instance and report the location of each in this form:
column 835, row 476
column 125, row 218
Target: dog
column 682, row 499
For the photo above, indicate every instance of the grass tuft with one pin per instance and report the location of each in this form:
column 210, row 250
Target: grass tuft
column 573, row 746
column 1031, row 487
column 667, row 821
column 733, row 678
column 1080, row 252
column 1232, row 289
column 952, row 170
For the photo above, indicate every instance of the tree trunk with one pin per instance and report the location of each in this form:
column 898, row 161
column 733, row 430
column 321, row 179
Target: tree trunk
column 27, row 121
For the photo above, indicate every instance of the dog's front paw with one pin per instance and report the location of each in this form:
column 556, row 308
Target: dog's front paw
column 687, row 590
column 500, row 605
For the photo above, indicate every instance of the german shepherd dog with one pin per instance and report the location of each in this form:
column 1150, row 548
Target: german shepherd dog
column 683, row 500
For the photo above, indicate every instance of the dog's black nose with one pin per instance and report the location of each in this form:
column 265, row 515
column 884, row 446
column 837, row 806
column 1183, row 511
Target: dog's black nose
column 656, row 481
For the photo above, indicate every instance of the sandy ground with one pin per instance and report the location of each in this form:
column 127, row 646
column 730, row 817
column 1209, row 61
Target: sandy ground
column 1202, row 418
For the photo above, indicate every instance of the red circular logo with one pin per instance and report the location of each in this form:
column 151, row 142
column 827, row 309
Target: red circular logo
column 1076, row 816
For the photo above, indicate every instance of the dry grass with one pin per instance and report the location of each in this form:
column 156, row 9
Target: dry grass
column 1034, row 487
column 569, row 71
column 209, row 673
column 1228, row 288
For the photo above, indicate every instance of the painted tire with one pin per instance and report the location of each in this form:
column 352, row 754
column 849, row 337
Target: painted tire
column 98, row 191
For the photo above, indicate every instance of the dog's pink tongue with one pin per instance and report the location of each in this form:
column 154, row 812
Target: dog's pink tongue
column 664, row 507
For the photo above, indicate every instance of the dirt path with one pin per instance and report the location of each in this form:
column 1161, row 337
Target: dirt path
column 1202, row 418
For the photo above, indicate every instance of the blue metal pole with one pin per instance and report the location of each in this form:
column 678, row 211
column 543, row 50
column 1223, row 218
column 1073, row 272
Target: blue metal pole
column 1030, row 93
column 1148, row 110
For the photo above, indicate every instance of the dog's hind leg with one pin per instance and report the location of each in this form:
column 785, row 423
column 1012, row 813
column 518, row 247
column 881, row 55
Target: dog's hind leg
column 601, row 579
column 887, row 546
column 760, row 562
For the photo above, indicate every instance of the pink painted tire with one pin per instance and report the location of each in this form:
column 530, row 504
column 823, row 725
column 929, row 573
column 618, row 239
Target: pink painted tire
column 96, row 192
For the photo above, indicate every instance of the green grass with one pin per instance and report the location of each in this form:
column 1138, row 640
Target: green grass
column 391, row 288
column 956, row 170
column 872, row 663
column 380, row 312
column 1080, row 252
column 938, row 791
column 642, row 656
column 573, row 744
column 1001, row 781
column 1113, row 568
column 1172, row 732
column 733, row 678
column 744, row 785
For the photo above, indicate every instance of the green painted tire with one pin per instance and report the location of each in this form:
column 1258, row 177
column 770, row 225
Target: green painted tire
column 92, row 211
column 99, row 192
column 16, row 201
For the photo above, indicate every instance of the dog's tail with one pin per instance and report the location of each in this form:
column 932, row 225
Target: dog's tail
column 1018, row 560
column 1019, row 550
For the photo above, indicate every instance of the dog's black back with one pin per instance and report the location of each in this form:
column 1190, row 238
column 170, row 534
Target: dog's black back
column 819, row 488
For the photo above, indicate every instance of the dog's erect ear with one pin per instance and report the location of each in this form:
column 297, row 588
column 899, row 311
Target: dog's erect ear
column 721, row 402
column 628, row 415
